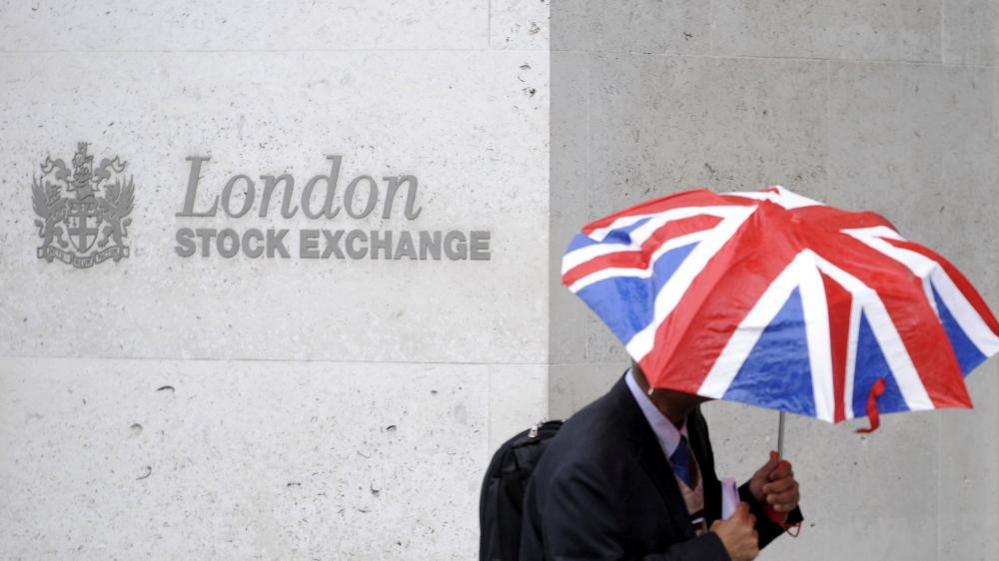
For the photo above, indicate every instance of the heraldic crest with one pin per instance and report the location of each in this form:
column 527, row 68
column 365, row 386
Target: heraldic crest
column 83, row 217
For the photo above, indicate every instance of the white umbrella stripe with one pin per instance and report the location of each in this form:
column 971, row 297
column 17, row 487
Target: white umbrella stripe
column 673, row 290
column 639, row 236
column 934, row 276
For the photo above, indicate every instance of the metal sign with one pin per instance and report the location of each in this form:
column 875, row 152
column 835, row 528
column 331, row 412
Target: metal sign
column 82, row 218
column 319, row 199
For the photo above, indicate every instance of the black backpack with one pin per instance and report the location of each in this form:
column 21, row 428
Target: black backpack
column 501, row 503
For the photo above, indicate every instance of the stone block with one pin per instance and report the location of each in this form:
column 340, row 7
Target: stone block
column 893, row 30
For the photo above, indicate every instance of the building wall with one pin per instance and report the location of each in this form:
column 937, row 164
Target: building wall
column 169, row 407
column 165, row 407
column 890, row 106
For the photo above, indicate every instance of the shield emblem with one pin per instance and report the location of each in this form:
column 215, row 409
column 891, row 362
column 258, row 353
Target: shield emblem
column 83, row 224
column 83, row 213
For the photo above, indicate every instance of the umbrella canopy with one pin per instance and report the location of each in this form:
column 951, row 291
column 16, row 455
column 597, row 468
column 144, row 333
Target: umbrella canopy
column 776, row 300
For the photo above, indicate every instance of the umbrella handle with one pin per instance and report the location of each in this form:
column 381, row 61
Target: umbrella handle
column 774, row 516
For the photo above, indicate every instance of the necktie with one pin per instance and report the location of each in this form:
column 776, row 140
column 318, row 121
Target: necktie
column 680, row 460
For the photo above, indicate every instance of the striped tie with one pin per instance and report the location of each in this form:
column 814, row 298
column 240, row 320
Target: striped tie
column 680, row 460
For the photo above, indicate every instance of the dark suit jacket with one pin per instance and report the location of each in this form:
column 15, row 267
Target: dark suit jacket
column 605, row 490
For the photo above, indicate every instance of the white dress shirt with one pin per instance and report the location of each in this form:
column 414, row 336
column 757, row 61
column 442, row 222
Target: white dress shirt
column 666, row 432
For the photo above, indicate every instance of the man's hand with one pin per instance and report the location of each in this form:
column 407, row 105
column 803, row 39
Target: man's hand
column 774, row 484
column 738, row 534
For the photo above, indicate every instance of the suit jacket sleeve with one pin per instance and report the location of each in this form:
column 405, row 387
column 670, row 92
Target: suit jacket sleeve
column 584, row 521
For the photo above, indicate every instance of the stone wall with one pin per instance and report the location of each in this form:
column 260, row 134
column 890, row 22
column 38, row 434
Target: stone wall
column 240, row 407
column 890, row 106
column 340, row 404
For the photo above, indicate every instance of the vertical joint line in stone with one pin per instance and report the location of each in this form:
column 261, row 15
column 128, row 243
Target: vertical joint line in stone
column 489, row 24
column 828, row 121
column 711, row 28
column 937, row 509
column 943, row 42
column 587, row 92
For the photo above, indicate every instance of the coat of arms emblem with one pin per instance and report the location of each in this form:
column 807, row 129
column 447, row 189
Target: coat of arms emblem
column 83, row 217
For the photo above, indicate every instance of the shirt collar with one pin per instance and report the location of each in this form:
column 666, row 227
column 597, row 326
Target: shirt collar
column 666, row 432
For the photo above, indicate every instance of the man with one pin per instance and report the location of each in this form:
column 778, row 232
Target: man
column 632, row 477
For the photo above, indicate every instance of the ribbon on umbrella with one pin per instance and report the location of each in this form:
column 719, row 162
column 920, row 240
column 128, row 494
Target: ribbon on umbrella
column 877, row 390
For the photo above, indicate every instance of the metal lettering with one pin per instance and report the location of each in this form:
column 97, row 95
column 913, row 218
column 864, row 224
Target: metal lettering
column 455, row 252
column 332, row 243
column 308, row 244
column 248, row 195
column 256, row 250
column 353, row 251
column 430, row 242
column 192, row 189
column 275, row 242
column 359, row 200
column 206, row 235
column 348, row 196
column 331, row 181
column 405, row 247
column 393, row 186
column 270, row 182
column 479, row 245
column 379, row 243
column 185, row 242
column 220, row 243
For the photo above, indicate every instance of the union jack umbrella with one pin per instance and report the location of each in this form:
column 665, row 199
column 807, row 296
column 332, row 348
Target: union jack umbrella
column 776, row 300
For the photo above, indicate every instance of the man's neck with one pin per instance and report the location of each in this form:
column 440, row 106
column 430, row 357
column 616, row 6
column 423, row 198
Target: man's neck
column 676, row 410
column 675, row 406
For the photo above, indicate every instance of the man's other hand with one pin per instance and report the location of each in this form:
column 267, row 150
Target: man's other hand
column 738, row 534
column 774, row 484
